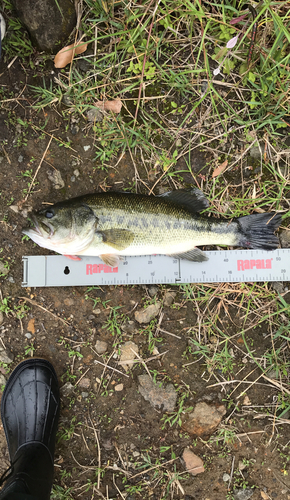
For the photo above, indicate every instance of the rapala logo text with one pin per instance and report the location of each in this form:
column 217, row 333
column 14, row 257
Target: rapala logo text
column 100, row 268
column 254, row 263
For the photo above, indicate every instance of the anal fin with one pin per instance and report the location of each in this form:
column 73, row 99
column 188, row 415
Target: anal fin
column 195, row 255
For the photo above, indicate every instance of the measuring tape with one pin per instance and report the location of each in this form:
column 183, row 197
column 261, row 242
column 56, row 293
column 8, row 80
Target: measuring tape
column 231, row 266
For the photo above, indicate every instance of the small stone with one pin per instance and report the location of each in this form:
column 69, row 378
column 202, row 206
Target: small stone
column 278, row 286
column 243, row 494
column 255, row 152
column 164, row 396
column 11, row 279
column 193, row 463
column 77, row 172
column 101, row 346
column 2, row 380
column 129, row 327
column 84, row 383
column 30, row 326
column 20, row 159
column 241, row 465
column 226, row 477
column 95, row 115
column 69, row 302
column 55, row 177
column 6, row 356
column 128, row 355
column 147, row 314
column 96, row 311
column 14, row 208
column 86, row 148
column 136, row 454
column 119, row 387
column 204, row 419
column 84, row 395
column 49, row 23
column 169, row 298
column 152, row 290
column 3, row 270
column 273, row 375
column 28, row 336
column 284, row 238
column 67, row 389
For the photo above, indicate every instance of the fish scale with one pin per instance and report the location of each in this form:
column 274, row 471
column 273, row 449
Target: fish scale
column 230, row 266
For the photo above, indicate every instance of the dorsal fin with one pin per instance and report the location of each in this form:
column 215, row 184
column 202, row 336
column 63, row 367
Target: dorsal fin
column 192, row 199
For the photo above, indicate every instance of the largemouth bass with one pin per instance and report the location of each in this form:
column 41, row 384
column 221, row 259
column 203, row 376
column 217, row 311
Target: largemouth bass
column 112, row 224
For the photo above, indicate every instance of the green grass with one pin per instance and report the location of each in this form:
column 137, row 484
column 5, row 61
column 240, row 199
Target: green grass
column 179, row 121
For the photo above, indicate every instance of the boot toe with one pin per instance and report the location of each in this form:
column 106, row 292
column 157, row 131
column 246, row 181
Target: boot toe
column 30, row 405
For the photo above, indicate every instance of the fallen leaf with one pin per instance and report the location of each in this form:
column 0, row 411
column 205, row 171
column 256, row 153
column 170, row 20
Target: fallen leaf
column 264, row 495
column 66, row 55
column 193, row 463
column 219, row 170
column 216, row 71
column 232, row 42
column 115, row 105
column 30, row 326
column 238, row 19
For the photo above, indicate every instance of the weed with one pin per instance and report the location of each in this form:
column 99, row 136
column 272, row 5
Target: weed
column 65, row 433
column 60, row 493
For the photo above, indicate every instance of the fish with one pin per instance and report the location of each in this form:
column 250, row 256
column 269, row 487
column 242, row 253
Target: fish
column 114, row 224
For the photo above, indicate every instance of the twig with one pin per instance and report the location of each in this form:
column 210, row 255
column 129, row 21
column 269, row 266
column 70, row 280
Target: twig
column 277, row 384
column 117, row 487
column 143, row 362
column 46, row 310
column 82, row 376
column 111, row 368
column 232, row 471
column 99, row 451
column 37, row 170
column 145, row 471
column 169, row 333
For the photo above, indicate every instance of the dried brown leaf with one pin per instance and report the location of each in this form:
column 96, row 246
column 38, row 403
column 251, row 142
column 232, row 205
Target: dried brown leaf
column 66, row 55
column 219, row 170
column 115, row 105
column 264, row 495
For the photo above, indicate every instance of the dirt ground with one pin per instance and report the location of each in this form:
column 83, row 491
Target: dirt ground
column 112, row 443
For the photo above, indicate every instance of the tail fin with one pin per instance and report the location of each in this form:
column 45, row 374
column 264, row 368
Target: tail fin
column 257, row 230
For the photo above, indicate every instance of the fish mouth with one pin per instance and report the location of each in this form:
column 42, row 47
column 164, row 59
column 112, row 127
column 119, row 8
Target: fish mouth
column 41, row 228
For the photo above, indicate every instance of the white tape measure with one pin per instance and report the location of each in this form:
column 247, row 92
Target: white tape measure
column 232, row 266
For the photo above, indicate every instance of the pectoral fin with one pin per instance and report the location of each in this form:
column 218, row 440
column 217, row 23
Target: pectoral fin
column 72, row 257
column 110, row 259
column 195, row 255
column 119, row 239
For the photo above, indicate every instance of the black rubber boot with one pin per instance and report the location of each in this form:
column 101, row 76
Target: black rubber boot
column 30, row 411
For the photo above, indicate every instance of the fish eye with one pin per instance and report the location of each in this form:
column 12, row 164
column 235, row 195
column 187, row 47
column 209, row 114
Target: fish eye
column 49, row 213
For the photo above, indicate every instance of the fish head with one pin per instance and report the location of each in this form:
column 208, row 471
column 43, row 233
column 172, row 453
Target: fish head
column 64, row 228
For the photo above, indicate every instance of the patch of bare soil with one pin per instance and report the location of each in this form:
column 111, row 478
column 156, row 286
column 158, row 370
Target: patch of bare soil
column 112, row 442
